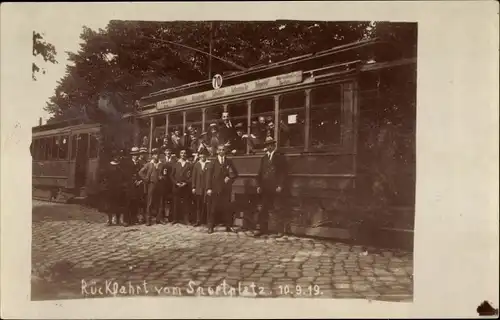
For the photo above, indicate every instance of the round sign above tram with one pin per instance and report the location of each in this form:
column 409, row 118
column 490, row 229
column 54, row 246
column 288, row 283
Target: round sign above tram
column 217, row 81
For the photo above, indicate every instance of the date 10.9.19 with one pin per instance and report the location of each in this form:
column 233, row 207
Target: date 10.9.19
column 311, row 290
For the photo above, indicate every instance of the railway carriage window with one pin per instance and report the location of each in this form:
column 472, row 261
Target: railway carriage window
column 238, row 114
column 194, row 120
column 326, row 113
column 53, row 148
column 262, row 122
column 41, row 149
column 213, row 114
column 63, row 148
column 93, row 147
column 175, row 123
column 292, row 119
column 74, row 142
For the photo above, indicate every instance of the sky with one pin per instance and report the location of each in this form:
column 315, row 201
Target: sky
column 65, row 38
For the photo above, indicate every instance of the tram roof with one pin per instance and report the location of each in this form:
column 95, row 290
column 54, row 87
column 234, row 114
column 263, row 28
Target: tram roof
column 350, row 50
column 63, row 126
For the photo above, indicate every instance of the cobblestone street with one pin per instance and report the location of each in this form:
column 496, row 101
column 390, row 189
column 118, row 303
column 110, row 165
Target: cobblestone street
column 75, row 255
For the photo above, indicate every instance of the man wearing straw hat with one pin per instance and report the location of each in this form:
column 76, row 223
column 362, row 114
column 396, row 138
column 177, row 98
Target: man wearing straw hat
column 270, row 181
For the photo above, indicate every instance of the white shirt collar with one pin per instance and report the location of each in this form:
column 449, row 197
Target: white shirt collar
column 270, row 154
column 221, row 159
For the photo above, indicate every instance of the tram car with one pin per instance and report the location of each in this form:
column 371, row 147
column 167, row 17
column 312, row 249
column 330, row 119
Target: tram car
column 65, row 160
column 344, row 118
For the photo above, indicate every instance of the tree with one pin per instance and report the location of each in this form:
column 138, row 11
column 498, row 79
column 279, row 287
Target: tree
column 44, row 49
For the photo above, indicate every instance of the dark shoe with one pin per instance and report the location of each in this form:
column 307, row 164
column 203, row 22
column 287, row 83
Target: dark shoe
column 229, row 229
column 109, row 224
column 197, row 224
column 210, row 230
column 125, row 224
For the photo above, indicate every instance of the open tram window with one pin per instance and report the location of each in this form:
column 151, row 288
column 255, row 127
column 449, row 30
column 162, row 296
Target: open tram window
column 213, row 121
column 159, row 131
column 262, row 125
column 63, row 147
column 194, row 119
column 93, row 146
column 238, row 115
column 175, row 128
column 326, row 113
column 292, row 120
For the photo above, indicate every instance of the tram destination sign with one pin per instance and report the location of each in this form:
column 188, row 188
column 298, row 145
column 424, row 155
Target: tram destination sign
column 257, row 85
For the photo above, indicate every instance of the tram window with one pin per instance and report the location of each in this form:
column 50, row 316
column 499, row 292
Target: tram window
column 213, row 114
column 93, row 147
column 51, row 148
column 74, row 142
column 292, row 119
column 262, row 127
column 325, row 116
column 175, row 125
column 63, row 148
column 194, row 120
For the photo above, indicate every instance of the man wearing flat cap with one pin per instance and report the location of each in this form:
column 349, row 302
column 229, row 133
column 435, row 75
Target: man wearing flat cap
column 270, row 182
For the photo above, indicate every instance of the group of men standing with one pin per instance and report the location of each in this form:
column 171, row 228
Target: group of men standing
column 176, row 190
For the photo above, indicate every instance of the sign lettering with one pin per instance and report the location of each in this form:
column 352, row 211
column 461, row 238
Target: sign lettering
column 271, row 82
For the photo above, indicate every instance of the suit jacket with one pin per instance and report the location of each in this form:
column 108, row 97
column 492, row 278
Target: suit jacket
column 149, row 170
column 180, row 173
column 272, row 173
column 217, row 174
column 227, row 134
column 199, row 178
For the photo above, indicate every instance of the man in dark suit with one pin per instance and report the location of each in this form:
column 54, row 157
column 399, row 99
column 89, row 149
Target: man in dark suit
column 219, row 186
column 199, row 180
column 168, row 199
column 136, row 188
column 270, row 182
column 181, row 178
column 227, row 131
column 152, row 175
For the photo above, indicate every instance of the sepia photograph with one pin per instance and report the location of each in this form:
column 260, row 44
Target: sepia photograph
column 257, row 160
column 227, row 158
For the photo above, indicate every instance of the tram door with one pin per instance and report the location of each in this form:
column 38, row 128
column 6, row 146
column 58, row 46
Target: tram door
column 82, row 159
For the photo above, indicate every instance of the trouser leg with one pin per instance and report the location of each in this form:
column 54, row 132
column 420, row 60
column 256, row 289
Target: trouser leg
column 267, row 204
column 150, row 201
column 160, row 213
